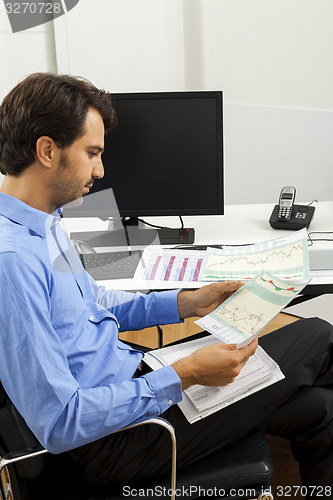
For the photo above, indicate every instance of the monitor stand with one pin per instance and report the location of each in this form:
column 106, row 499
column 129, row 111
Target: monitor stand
column 131, row 234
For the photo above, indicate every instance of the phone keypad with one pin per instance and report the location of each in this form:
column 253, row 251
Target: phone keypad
column 284, row 212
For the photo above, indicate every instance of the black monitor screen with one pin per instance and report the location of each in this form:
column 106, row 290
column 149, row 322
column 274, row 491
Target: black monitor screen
column 165, row 156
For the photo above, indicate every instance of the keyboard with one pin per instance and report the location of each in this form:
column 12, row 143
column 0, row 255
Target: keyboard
column 111, row 265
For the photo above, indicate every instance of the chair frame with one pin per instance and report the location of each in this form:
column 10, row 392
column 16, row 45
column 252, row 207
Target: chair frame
column 16, row 456
column 34, row 451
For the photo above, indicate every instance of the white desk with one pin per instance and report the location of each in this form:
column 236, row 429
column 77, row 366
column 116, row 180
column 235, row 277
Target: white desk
column 240, row 224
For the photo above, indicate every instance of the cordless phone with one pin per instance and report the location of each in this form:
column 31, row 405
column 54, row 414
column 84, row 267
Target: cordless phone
column 287, row 215
column 286, row 202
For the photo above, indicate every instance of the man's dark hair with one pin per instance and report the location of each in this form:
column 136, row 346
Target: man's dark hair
column 51, row 105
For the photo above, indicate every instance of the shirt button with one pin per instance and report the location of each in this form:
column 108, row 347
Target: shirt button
column 91, row 317
column 170, row 402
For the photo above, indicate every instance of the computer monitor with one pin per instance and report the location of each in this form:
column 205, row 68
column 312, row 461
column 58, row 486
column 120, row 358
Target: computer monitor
column 164, row 158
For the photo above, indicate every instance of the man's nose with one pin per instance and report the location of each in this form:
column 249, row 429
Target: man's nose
column 98, row 171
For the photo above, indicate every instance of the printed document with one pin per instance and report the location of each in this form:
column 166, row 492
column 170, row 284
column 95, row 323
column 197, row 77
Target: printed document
column 242, row 316
column 170, row 267
column 200, row 401
column 286, row 257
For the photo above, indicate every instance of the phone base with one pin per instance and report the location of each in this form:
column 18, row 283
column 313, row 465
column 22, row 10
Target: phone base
column 301, row 217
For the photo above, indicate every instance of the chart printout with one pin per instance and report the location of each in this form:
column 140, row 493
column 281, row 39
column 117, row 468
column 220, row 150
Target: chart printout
column 169, row 265
column 286, row 257
column 241, row 317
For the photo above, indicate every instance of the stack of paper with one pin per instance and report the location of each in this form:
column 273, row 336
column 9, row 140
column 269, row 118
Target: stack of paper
column 200, row 401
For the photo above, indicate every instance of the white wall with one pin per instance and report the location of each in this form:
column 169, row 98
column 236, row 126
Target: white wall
column 270, row 52
column 24, row 53
column 123, row 45
column 272, row 59
column 271, row 147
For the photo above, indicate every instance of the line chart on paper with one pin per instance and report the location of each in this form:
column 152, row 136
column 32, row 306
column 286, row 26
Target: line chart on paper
column 243, row 319
column 284, row 257
column 250, row 308
column 268, row 259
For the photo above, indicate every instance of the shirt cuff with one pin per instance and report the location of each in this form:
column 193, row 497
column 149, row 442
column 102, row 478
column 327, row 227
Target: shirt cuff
column 167, row 307
column 166, row 386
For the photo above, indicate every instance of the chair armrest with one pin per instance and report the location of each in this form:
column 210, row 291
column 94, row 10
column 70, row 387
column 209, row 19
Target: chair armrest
column 37, row 450
column 163, row 423
column 16, row 456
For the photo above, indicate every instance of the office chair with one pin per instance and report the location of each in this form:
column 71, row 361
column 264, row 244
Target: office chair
column 244, row 466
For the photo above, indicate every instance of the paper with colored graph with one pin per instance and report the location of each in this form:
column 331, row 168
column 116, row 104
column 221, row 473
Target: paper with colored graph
column 241, row 317
column 285, row 257
column 173, row 267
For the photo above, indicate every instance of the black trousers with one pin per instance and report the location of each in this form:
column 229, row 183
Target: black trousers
column 299, row 408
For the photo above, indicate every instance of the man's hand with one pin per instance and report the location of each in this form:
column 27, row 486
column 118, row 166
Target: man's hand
column 217, row 364
column 204, row 300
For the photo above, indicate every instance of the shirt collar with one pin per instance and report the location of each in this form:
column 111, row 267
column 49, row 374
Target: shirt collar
column 18, row 211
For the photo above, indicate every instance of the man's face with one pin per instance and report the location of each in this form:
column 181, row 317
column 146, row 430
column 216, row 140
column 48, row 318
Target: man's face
column 79, row 164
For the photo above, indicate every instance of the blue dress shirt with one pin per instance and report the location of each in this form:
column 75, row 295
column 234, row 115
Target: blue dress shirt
column 61, row 361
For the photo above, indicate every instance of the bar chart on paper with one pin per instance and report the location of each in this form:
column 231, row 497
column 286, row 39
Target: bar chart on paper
column 169, row 265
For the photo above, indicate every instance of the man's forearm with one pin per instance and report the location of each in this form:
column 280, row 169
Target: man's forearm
column 186, row 304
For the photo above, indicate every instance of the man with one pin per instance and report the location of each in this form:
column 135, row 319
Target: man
column 61, row 361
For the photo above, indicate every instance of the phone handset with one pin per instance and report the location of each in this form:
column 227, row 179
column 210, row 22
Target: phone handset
column 286, row 202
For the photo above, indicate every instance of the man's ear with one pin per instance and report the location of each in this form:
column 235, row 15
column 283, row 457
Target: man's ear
column 46, row 151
